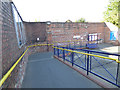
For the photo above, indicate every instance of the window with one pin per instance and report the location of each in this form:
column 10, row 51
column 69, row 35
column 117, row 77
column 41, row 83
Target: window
column 20, row 32
column 93, row 37
column 113, row 35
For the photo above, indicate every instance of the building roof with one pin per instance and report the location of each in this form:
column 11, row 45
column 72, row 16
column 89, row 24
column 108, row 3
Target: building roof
column 111, row 26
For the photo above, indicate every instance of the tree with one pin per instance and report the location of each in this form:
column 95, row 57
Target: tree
column 68, row 21
column 81, row 20
column 37, row 20
column 112, row 13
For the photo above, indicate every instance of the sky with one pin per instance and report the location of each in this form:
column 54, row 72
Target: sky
column 61, row 10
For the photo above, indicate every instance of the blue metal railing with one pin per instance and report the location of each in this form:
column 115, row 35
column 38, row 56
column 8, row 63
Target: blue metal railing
column 102, row 67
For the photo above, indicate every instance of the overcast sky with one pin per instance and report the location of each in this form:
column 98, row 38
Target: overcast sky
column 61, row 10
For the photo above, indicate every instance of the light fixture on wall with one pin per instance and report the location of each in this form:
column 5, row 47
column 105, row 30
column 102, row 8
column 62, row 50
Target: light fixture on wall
column 48, row 22
column 38, row 39
column 86, row 27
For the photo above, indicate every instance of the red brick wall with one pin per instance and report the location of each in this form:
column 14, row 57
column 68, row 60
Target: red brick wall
column 10, row 50
column 57, row 31
column 61, row 31
column 0, row 40
column 65, row 31
column 35, row 30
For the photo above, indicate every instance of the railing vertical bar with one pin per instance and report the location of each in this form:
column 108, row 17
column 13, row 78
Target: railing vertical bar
column 58, row 51
column 87, row 64
column 90, row 61
column 47, row 47
column 72, row 58
column 54, row 51
column 63, row 54
column 117, row 73
column 85, row 61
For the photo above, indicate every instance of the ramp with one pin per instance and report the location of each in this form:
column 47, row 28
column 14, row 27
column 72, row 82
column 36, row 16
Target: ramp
column 44, row 71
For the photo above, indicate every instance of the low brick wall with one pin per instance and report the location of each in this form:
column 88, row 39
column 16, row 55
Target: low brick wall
column 38, row 49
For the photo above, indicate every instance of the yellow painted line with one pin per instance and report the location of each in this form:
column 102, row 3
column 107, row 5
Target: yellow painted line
column 89, row 54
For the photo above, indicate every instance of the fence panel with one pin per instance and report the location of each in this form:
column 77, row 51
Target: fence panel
column 98, row 63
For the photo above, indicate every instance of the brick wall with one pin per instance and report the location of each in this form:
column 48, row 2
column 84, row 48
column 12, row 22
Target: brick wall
column 10, row 50
column 61, row 31
column 65, row 31
column 0, row 39
column 39, row 49
column 56, row 31
column 35, row 30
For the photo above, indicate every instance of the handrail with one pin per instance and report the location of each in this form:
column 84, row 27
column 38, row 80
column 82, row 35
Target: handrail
column 88, row 54
column 73, row 41
column 86, row 63
column 12, row 68
column 101, row 52
column 65, row 41
column 39, row 45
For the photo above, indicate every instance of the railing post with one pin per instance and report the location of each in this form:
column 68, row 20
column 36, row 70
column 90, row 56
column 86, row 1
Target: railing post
column 118, row 74
column 63, row 54
column 69, row 45
column 90, row 61
column 58, row 51
column 88, row 64
column 54, row 51
column 80, row 44
column 72, row 58
column 47, row 46
column 74, row 44
column 85, row 61
column 97, row 38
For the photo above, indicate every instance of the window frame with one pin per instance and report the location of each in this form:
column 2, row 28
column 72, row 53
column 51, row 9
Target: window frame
column 19, row 27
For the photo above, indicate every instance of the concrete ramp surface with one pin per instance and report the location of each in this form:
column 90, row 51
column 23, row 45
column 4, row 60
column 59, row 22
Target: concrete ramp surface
column 44, row 71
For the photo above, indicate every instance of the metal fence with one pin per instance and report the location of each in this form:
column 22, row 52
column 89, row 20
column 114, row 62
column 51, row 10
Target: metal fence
column 97, row 63
column 94, row 62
